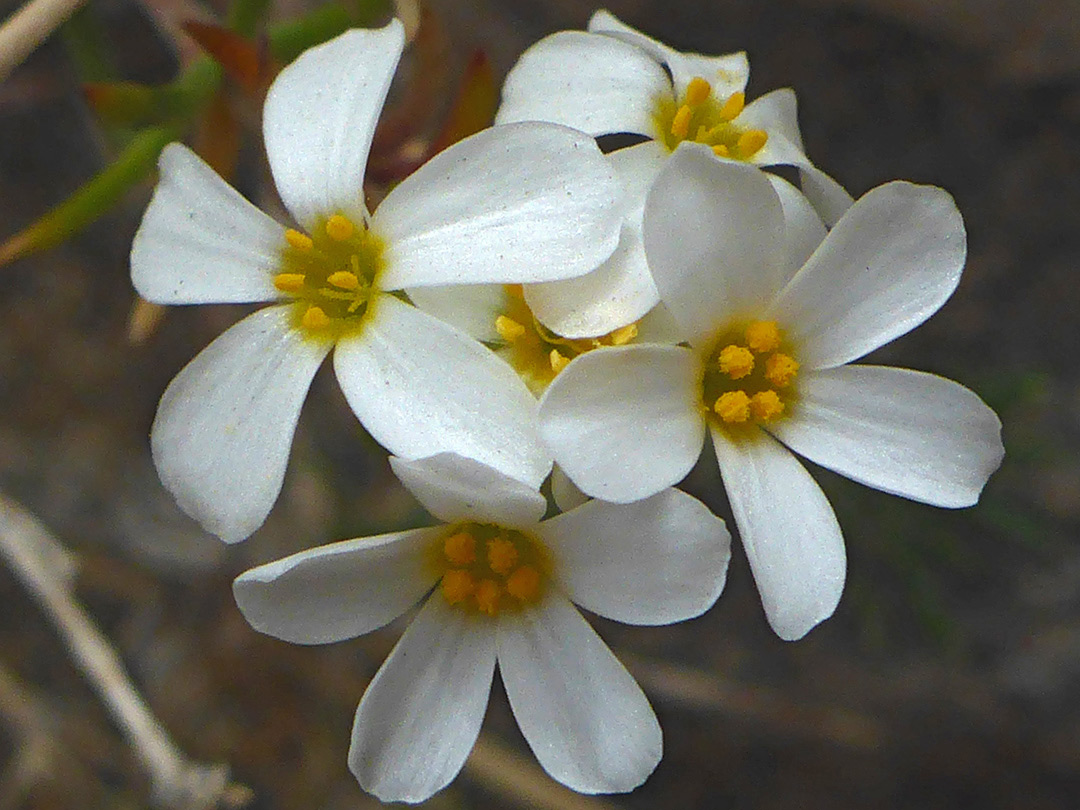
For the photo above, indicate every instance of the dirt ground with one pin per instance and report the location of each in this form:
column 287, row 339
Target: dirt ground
column 949, row 676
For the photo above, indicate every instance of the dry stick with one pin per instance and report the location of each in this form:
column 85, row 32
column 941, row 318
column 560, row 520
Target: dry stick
column 28, row 27
column 44, row 566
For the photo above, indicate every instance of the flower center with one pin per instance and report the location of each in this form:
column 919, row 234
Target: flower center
column 700, row 117
column 535, row 352
column 330, row 274
column 488, row 569
column 749, row 377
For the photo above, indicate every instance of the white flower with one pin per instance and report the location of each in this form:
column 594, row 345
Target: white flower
column 614, row 79
column 769, row 346
column 523, row 203
column 503, row 584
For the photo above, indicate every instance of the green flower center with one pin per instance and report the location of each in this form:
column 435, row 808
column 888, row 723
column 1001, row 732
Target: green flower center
column 749, row 378
column 331, row 274
column 701, row 118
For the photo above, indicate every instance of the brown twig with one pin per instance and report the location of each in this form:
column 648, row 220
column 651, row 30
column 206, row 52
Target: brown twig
column 45, row 568
column 28, row 27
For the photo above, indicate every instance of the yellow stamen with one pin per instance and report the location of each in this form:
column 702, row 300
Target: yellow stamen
column 780, row 369
column 300, row 241
column 501, row 555
column 733, row 406
column 680, row 124
column 460, row 548
column 488, row 592
column 766, row 405
column 733, row 106
column 508, row 329
column 751, row 141
column 315, row 318
column 697, row 91
column 344, row 280
column 721, row 151
column 736, row 361
column 457, row 585
column 524, row 584
column 339, row 228
column 624, row 334
column 558, row 361
column 289, row 282
column 763, row 336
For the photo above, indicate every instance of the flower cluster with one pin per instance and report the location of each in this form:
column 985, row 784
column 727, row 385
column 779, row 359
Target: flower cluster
column 524, row 305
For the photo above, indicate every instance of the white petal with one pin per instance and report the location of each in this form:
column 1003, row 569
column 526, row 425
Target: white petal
column 472, row 308
column 621, row 290
column 803, row 228
column 900, row 431
column 657, row 561
column 319, row 118
column 585, row 718
column 224, row 426
column 776, row 113
column 889, row 264
column 624, row 422
column 200, row 241
column 421, row 714
column 453, row 489
column 713, row 238
column 338, row 591
column 827, row 196
column 421, row 387
column 788, row 530
column 592, row 83
column 727, row 74
column 514, row 204
column 564, row 492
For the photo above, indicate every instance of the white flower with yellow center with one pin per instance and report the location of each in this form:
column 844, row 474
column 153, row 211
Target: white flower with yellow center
column 498, row 586
column 523, row 203
column 767, row 366
column 613, row 79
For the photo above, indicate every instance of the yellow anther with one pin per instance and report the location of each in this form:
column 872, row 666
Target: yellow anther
column 763, row 336
column 315, row 318
column 501, row 555
column 736, row 361
column 344, row 280
column 508, row 329
column 697, row 91
column 514, row 291
column 524, row 584
column 460, row 548
column 300, row 241
column 733, row 406
column 766, row 405
column 721, row 151
column 289, row 282
column 558, row 361
column 339, row 228
column 487, row 593
column 457, row 585
column 780, row 369
column 751, row 141
column 733, row 106
column 624, row 334
column 680, row 124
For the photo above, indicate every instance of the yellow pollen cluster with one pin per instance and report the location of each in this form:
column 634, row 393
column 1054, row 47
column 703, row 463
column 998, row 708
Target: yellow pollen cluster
column 537, row 353
column 488, row 569
column 700, row 117
column 330, row 273
column 749, row 376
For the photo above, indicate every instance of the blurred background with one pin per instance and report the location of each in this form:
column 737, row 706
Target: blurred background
column 949, row 676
